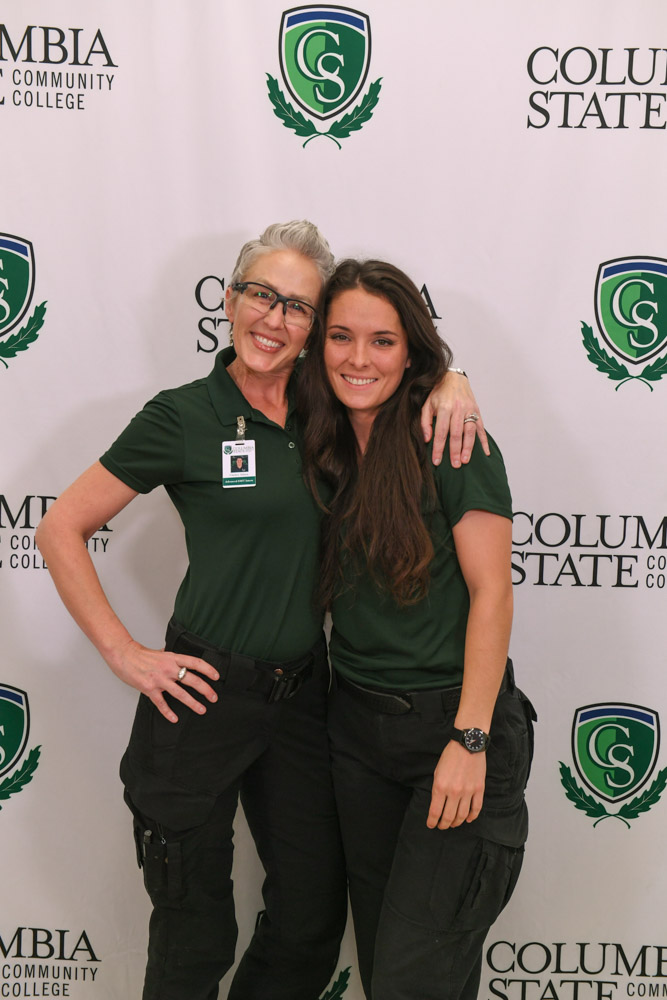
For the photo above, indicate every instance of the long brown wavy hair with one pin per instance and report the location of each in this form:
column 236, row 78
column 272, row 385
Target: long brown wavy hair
column 377, row 507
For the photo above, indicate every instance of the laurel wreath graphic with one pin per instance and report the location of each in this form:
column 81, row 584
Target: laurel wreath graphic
column 592, row 807
column 339, row 986
column 306, row 128
column 15, row 782
column 27, row 335
column 613, row 369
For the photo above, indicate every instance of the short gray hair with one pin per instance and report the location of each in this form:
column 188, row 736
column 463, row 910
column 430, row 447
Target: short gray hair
column 299, row 235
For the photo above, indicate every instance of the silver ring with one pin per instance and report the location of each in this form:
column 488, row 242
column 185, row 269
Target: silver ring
column 471, row 418
column 182, row 672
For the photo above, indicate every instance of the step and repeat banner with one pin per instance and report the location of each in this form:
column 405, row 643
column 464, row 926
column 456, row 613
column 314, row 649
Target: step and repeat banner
column 512, row 158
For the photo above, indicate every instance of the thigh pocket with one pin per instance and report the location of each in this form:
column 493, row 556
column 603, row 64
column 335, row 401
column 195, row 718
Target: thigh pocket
column 161, row 861
column 485, row 889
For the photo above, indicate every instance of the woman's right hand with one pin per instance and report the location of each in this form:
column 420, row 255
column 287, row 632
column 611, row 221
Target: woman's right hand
column 458, row 787
column 155, row 672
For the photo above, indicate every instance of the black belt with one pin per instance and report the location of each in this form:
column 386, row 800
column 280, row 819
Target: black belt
column 265, row 679
column 424, row 702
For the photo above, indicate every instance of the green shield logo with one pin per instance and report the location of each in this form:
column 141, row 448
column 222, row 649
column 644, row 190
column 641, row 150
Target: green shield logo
column 631, row 306
column 17, row 280
column 615, row 748
column 324, row 56
column 14, row 725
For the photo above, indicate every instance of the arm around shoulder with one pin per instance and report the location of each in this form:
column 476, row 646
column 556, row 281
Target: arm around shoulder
column 453, row 405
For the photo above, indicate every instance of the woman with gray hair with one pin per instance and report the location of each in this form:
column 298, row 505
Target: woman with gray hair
column 235, row 705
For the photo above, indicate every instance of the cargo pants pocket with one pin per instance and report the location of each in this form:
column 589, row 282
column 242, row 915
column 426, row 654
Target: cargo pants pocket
column 159, row 856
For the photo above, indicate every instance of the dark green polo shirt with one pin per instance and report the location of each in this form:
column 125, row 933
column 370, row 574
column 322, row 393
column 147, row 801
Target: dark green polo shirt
column 253, row 552
column 376, row 642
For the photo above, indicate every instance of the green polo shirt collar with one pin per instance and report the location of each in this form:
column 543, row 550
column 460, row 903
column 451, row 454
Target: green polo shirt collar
column 227, row 399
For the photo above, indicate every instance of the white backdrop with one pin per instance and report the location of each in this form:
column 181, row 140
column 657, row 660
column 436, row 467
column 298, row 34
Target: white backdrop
column 500, row 182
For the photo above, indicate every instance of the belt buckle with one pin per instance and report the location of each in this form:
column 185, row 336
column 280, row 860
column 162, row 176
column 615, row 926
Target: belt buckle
column 284, row 686
column 384, row 701
column 402, row 703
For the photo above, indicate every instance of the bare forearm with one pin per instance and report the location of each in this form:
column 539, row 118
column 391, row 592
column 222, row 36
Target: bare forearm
column 459, row 778
column 76, row 580
column 483, row 547
column 95, row 498
column 150, row 671
column 487, row 644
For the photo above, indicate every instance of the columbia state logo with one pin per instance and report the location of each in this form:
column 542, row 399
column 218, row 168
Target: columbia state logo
column 325, row 54
column 14, row 732
column 17, row 284
column 615, row 750
column 631, row 318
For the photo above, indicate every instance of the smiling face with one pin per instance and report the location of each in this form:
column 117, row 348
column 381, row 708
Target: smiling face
column 265, row 344
column 365, row 351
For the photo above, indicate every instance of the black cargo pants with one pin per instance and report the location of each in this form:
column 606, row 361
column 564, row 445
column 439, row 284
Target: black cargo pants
column 183, row 783
column 423, row 900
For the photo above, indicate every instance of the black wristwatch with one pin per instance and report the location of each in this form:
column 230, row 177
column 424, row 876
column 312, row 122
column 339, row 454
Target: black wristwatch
column 474, row 740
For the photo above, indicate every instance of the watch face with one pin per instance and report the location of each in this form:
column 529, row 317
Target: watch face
column 475, row 740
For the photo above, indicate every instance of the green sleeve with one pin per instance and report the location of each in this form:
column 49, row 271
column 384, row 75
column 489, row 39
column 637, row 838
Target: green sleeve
column 479, row 485
column 149, row 452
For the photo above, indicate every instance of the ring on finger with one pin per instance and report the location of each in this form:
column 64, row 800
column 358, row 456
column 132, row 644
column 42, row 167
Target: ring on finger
column 182, row 672
column 471, row 418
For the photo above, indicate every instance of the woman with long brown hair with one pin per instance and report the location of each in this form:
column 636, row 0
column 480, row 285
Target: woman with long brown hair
column 431, row 740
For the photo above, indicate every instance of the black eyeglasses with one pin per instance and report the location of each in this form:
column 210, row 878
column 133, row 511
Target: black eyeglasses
column 263, row 299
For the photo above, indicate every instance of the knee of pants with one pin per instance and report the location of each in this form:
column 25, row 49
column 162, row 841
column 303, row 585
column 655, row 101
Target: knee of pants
column 316, row 944
column 493, row 880
column 307, row 924
column 466, row 888
column 416, row 952
column 430, row 967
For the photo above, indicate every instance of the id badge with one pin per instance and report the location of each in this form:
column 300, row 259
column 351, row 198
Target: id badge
column 238, row 464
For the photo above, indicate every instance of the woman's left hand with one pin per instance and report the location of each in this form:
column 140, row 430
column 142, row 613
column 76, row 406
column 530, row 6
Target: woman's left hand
column 450, row 403
column 458, row 787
